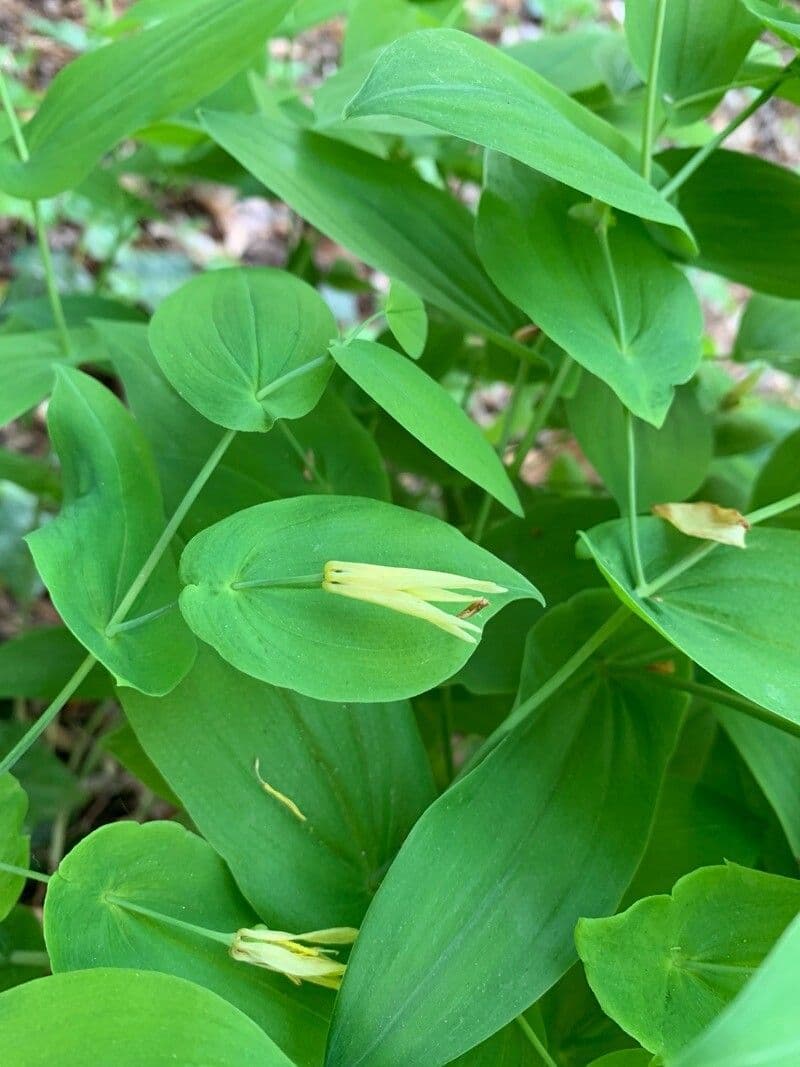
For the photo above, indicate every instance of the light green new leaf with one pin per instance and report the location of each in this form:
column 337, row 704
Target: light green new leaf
column 14, row 845
column 27, row 366
column 106, row 94
column 704, row 44
column 428, row 412
column 737, row 202
column 339, row 455
column 770, row 330
column 245, row 346
column 254, row 592
column 383, row 212
column 480, row 94
column 357, row 773
column 669, row 964
column 163, row 867
column 734, row 612
column 475, row 918
column 129, row 1018
column 671, row 463
column 110, row 520
column 407, row 318
column 622, row 310
column 761, row 1026
column 782, row 19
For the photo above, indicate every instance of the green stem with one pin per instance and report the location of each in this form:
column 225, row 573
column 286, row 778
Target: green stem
column 543, row 411
column 180, row 924
column 47, row 716
column 41, row 229
column 552, row 685
column 534, row 1039
column 719, row 696
column 633, row 507
column 303, row 456
column 769, row 511
column 699, row 157
column 21, row 958
column 648, row 130
column 602, row 236
column 24, row 872
column 170, row 530
column 292, row 375
column 505, row 434
column 272, row 583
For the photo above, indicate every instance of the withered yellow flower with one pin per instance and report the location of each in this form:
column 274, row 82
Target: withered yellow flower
column 283, row 953
column 413, row 592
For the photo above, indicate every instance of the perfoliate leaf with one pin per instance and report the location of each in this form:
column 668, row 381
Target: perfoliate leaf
column 245, row 346
column 407, row 318
column 254, row 591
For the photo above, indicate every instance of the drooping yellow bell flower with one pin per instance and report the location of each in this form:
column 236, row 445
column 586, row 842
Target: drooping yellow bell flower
column 283, row 953
column 414, row 592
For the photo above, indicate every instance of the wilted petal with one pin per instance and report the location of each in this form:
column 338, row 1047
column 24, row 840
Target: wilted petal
column 707, row 521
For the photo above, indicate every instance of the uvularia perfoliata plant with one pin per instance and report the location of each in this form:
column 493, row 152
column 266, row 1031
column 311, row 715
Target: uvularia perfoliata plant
column 400, row 533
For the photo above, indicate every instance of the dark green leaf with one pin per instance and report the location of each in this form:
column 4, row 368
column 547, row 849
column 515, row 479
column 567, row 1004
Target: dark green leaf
column 27, row 367
column 14, row 845
column 110, row 521
column 482, row 95
column 641, row 339
column 39, row 662
column 486, row 891
column 734, row 612
column 782, row 19
column 770, row 330
column 20, row 932
column 383, row 212
column 111, row 92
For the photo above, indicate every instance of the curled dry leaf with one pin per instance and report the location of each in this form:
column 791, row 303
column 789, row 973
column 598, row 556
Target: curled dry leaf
column 708, row 521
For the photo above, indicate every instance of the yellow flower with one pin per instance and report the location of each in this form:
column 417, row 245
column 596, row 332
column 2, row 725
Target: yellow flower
column 282, row 952
column 413, row 592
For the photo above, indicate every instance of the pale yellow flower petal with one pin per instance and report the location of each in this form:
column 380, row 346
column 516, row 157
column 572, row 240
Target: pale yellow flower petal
column 707, row 521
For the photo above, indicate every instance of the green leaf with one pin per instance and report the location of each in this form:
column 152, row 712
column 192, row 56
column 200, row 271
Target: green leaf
column 509, row 1047
column 163, row 867
column 256, row 467
column 20, row 932
column 760, row 1026
column 124, row 746
column 783, row 20
column 667, row 966
column 704, row 44
column 268, row 626
column 774, row 761
column 35, row 475
column 129, row 1017
column 357, row 773
column 39, row 662
column 734, row 612
column 576, row 60
column 671, row 463
column 407, row 318
column 428, row 412
column 50, row 785
column 370, row 27
column 735, row 202
column 780, row 477
column 383, row 212
column 245, row 346
column 487, row 97
column 641, row 339
column 106, row 94
column 27, row 367
column 487, row 889
column 770, row 330
column 14, row 845
column 111, row 519
column 548, row 532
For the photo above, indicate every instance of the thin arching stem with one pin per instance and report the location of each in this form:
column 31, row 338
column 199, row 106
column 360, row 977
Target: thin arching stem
column 649, row 122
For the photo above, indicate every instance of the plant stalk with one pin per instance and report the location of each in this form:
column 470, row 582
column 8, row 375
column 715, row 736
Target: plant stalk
column 180, row 924
column 540, row 417
column 533, row 1037
column 633, row 505
column 41, row 229
column 25, row 872
column 648, row 129
column 702, row 154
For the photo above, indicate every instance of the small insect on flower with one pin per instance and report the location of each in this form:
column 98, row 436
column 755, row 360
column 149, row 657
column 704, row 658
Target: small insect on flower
column 278, row 951
column 414, row 592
